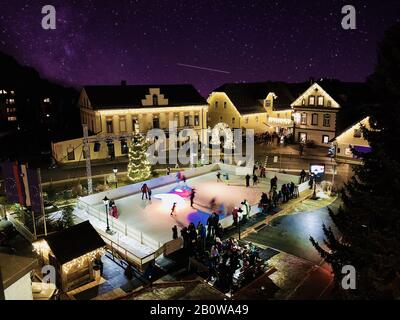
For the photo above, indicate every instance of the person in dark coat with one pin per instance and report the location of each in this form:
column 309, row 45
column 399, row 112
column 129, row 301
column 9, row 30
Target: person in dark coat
column 144, row 190
column 175, row 232
column 255, row 180
column 247, row 180
column 192, row 195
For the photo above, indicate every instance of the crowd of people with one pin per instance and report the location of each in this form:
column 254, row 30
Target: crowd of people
column 273, row 138
column 230, row 263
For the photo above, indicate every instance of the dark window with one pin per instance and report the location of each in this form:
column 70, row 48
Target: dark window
column 304, row 118
column 196, row 120
column 110, row 128
column 216, row 104
column 327, row 120
column 155, row 100
column 225, row 105
column 71, row 154
column 357, row 133
column 124, row 147
column 314, row 120
column 135, row 125
column 187, row 121
column 156, row 123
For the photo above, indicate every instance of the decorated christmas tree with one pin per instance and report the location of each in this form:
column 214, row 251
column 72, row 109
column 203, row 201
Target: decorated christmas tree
column 139, row 168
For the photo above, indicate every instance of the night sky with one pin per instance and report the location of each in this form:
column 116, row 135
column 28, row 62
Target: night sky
column 104, row 41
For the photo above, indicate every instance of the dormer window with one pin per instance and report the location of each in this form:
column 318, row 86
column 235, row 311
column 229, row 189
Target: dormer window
column 155, row 100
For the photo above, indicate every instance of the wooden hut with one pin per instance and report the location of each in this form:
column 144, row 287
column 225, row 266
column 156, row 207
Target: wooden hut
column 72, row 252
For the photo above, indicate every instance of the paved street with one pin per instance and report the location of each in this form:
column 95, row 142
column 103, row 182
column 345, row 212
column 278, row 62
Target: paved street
column 301, row 272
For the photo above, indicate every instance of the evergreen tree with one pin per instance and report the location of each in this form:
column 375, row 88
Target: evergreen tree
column 369, row 220
column 67, row 217
column 139, row 168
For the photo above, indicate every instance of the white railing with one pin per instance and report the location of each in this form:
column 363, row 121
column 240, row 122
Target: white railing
column 116, row 225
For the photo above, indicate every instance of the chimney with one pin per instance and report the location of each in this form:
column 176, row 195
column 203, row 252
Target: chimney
column 123, row 83
column 312, row 80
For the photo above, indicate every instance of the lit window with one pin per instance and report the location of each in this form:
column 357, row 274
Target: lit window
column 311, row 100
column 135, row 125
column 303, row 102
column 196, row 120
column 304, row 118
column 325, row 139
column 47, row 100
column 320, row 101
column 12, row 119
column 122, row 124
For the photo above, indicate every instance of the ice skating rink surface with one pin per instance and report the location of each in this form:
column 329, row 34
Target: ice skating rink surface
column 153, row 217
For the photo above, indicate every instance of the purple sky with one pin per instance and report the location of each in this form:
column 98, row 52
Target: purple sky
column 103, row 42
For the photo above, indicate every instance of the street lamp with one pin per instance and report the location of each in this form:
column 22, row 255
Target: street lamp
column 106, row 202
column 115, row 170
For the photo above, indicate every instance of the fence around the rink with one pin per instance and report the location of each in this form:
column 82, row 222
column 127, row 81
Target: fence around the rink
column 116, row 225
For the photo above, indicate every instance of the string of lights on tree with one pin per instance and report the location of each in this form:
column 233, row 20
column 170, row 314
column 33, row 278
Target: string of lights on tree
column 139, row 168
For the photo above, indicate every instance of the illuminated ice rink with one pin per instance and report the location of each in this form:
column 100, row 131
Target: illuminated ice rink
column 153, row 217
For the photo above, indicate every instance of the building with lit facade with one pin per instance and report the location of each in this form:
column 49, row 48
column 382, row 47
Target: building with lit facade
column 352, row 139
column 113, row 113
column 261, row 106
column 314, row 113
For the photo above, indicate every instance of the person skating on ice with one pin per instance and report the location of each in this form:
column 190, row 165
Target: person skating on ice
column 145, row 190
column 149, row 193
column 192, row 195
column 219, row 177
column 173, row 209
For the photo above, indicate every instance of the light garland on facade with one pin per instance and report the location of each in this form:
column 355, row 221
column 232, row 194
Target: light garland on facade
column 78, row 263
column 284, row 121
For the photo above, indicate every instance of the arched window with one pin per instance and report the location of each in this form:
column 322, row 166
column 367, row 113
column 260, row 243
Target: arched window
column 155, row 100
